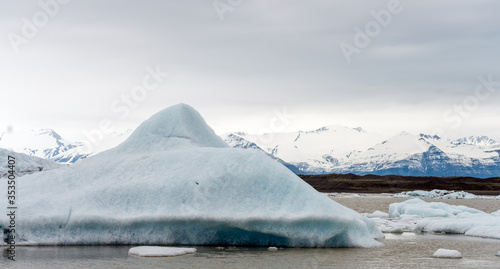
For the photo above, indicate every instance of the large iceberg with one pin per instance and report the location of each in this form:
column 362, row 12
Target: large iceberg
column 174, row 182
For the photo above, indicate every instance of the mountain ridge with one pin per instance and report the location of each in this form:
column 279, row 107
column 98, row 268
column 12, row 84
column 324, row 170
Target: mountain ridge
column 328, row 149
column 48, row 144
column 353, row 150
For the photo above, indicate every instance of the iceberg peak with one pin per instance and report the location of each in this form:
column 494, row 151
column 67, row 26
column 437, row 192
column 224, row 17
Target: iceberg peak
column 177, row 126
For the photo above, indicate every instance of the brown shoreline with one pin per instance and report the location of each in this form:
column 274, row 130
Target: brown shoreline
column 394, row 183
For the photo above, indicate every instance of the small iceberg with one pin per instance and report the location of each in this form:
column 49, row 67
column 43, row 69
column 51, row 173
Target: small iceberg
column 443, row 218
column 378, row 214
column 423, row 209
column 152, row 251
column 439, row 194
column 447, row 253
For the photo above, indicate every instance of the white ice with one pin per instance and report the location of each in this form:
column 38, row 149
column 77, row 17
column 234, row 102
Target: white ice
column 24, row 164
column 418, row 215
column 378, row 214
column 173, row 181
column 423, row 209
column 496, row 213
column 441, row 194
column 447, row 253
column 152, row 251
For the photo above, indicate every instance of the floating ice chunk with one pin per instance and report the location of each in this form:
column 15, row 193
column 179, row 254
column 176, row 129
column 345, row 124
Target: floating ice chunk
column 441, row 194
column 378, row 214
column 272, row 248
column 492, row 231
column 441, row 217
column 174, row 182
column 151, row 251
column 393, row 226
column 396, row 209
column 447, row 253
column 397, row 230
column 461, row 195
column 417, row 193
column 479, row 225
column 421, row 208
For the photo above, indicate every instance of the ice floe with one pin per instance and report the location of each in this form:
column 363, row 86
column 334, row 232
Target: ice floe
column 424, row 209
column 440, row 194
column 153, row 251
column 447, row 253
column 418, row 215
column 378, row 214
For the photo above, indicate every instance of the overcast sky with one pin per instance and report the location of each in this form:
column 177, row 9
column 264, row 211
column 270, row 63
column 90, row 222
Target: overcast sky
column 387, row 66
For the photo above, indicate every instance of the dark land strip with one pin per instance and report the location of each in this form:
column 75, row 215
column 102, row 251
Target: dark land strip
column 395, row 183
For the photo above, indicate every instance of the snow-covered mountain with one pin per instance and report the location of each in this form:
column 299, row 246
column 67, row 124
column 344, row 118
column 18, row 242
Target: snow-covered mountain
column 309, row 152
column 339, row 149
column 330, row 149
column 43, row 143
column 48, row 144
column 480, row 141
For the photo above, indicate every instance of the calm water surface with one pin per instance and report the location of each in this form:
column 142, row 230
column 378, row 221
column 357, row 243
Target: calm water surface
column 408, row 250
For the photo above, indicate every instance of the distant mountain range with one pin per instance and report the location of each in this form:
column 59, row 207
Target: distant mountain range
column 339, row 149
column 331, row 149
column 47, row 144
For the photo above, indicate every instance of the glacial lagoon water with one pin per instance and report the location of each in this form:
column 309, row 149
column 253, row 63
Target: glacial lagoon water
column 407, row 250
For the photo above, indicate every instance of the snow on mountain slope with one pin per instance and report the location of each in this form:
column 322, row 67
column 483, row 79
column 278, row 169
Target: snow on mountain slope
column 313, row 151
column 43, row 143
column 24, row 164
column 174, row 182
column 331, row 149
column 480, row 141
column 338, row 149
column 424, row 155
column 47, row 144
